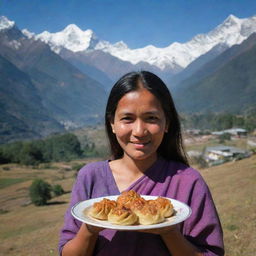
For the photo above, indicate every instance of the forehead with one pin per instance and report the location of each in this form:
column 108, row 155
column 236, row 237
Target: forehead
column 140, row 100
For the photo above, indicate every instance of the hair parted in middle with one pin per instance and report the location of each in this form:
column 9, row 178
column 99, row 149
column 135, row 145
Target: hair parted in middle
column 171, row 147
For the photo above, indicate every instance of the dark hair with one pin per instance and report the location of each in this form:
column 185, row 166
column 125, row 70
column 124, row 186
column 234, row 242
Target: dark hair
column 171, row 147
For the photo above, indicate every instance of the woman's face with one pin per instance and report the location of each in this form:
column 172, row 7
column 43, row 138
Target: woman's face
column 139, row 124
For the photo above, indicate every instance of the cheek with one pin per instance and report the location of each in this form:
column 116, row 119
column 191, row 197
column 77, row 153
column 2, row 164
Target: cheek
column 157, row 129
column 122, row 130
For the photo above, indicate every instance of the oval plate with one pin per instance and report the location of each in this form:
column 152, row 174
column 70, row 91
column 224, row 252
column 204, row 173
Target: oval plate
column 80, row 212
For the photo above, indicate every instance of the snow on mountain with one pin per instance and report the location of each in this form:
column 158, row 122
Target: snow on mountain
column 175, row 56
column 71, row 38
column 232, row 31
column 5, row 23
column 150, row 54
column 28, row 34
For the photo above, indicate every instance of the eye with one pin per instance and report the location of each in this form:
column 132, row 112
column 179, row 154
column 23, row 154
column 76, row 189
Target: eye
column 126, row 119
column 152, row 119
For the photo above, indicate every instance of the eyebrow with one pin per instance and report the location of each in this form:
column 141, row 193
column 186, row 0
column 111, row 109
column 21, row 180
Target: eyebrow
column 153, row 112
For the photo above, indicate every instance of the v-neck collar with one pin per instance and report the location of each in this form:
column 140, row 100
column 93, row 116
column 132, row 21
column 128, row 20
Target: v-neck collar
column 112, row 180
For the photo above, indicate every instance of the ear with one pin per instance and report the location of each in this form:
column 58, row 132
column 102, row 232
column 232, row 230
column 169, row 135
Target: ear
column 112, row 126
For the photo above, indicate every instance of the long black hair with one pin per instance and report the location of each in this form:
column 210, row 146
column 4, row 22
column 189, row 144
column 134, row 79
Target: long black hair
column 171, row 147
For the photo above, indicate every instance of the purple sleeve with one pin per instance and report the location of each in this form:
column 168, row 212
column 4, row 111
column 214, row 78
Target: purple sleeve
column 203, row 227
column 71, row 225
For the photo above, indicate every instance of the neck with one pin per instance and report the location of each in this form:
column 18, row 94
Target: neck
column 138, row 166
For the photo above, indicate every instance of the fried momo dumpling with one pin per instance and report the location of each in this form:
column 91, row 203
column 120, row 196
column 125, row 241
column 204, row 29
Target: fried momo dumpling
column 149, row 214
column 164, row 205
column 122, row 216
column 100, row 210
column 127, row 197
column 137, row 204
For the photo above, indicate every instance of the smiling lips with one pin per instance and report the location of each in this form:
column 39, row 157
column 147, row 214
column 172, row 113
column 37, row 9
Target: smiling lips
column 139, row 145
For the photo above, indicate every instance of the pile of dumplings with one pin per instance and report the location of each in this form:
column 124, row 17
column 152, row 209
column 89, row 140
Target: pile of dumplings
column 130, row 209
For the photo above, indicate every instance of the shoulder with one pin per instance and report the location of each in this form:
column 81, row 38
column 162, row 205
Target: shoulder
column 187, row 184
column 185, row 173
column 90, row 176
column 179, row 168
column 91, row 169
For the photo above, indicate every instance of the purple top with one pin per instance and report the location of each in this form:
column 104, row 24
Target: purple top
column 163, row 178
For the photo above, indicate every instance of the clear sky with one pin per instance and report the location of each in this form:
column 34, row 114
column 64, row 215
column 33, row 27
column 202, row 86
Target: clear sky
column 137, row 22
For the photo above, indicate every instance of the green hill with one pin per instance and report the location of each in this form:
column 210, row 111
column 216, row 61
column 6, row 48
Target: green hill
column 228, row 83
column 67, row 93
column 22, row 113
column 40, row 92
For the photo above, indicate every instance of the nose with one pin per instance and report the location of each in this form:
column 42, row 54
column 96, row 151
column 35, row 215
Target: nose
column 139, row 129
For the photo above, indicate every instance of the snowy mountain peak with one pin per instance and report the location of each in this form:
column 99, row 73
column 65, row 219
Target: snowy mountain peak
column 175, row 57
column 232, row 31
column 27, row 33
column 120, row 45
column 71, row 38
column 232, row 18
column 5, row 23
column 230, row 22
column 72, row 28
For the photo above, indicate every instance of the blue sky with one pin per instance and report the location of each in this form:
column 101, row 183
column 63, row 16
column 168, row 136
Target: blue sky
column 137, row 22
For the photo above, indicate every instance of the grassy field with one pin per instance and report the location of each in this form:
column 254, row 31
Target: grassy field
column 26, row 230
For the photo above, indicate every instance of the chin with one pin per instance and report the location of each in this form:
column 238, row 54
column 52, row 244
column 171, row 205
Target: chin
column 140, row 156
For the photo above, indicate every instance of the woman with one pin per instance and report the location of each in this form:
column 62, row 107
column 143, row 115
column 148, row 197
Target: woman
column 145, row 139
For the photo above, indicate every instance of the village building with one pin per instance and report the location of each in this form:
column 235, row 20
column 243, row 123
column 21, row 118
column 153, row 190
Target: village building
column 221, row 154
column 238, row 132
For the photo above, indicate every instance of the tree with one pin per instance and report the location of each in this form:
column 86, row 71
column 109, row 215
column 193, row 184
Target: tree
column 57, row 190
column 11, row 152
column 3, row 158
column 40, row 192
column 63, row 147
column 31, row 154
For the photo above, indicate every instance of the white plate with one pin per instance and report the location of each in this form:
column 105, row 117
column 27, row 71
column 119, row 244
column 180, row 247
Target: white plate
column 79, row 211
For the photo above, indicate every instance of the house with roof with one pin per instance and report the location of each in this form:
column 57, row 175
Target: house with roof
column 238, row 132
column 221, row 154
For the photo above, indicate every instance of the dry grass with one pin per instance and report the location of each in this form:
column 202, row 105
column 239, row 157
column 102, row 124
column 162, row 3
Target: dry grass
column 29, row 230
column 233, row 188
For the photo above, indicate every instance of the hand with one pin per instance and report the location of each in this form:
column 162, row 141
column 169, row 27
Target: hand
column 93, row 230
column 162, row 231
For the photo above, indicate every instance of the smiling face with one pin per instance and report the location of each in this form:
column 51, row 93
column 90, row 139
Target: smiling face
column 139, row 124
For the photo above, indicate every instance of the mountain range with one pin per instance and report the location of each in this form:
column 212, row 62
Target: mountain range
column 176, row 56
column 227, row 83
column 56, row 81
column 65, row 95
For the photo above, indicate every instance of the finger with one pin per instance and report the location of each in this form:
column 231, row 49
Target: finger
column 93, row 229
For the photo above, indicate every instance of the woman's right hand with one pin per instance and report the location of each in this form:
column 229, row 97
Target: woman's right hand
column 93, row 229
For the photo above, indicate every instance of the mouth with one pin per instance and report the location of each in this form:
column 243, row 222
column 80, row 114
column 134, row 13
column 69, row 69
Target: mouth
column 138, row 144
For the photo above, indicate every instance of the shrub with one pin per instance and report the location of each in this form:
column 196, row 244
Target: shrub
column 40, row 192
column 30, row 154
column 57, row 190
